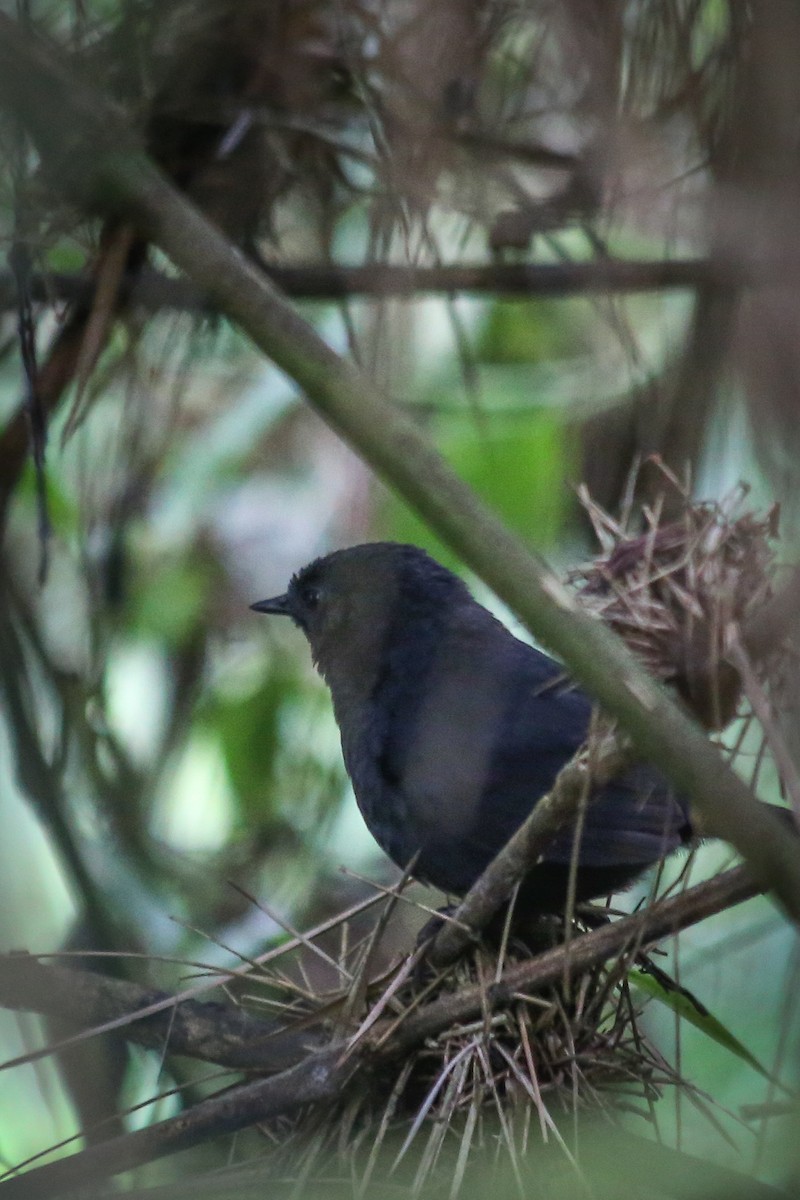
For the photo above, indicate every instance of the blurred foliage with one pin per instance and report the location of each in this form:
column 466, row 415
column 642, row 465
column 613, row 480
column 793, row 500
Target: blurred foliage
column 179, row 745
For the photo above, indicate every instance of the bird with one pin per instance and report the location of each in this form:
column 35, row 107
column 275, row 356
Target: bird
column 452, row 729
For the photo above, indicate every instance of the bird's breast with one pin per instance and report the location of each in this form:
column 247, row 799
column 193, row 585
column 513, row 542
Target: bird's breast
column 419, row 761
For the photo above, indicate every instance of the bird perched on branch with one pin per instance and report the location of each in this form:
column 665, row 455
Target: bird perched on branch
column 452, row 729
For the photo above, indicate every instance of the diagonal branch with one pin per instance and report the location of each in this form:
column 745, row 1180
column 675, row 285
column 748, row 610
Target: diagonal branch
column 90, row 153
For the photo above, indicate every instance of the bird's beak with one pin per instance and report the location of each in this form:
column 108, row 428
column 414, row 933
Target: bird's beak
column 278, row 604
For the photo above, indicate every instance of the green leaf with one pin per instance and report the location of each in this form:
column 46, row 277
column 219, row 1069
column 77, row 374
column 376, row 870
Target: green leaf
column 688, row 1008
column 172, row 599
column 533, row 333
column 67, row 257
column 518, row 465
column 248, row 732
column 61, row 508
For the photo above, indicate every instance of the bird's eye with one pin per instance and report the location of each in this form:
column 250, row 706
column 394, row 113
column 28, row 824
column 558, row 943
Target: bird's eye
column 310, row 596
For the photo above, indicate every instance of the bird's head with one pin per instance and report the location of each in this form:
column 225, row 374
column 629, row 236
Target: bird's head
column 354, row 603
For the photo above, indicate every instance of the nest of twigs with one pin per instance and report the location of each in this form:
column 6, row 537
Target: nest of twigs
column 484, row 1091
column 682, row 593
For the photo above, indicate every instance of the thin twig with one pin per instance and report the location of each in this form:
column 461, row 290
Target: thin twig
column 153, row 292
column 774, row 738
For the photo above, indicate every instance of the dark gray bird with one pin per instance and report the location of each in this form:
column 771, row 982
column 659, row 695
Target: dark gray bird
column 452, row 729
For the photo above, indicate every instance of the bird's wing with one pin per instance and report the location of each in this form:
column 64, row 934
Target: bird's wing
column 462, row 762
column 635, row 819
